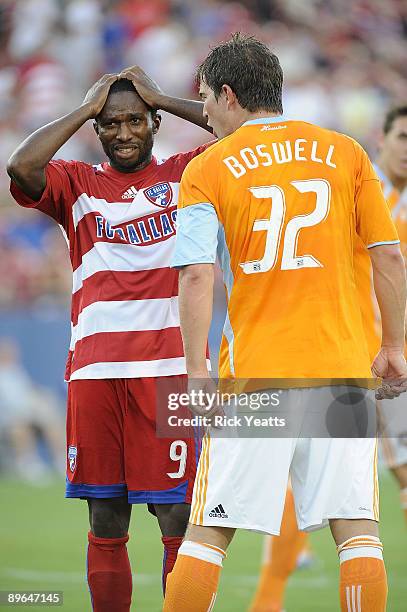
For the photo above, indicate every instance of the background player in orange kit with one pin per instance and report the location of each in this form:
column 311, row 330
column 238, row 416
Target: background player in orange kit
column 391, row 167
column 119, row 221
column 280, row 558
column 281, row 201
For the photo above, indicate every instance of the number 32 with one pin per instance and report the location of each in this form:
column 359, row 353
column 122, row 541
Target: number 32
column 274, row 225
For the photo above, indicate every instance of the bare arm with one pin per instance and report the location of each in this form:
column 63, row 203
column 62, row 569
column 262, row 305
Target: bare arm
column 195, row 307
column 27, row 164
column 190, row 110
column 389, row 276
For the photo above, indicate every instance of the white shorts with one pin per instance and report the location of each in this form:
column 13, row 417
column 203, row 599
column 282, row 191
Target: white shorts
column 242, row 482
column 393, row 422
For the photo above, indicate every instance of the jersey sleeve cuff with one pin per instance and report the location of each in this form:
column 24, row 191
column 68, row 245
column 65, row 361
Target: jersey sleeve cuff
column 383, row 243
column 23, row 199
column 180, row 263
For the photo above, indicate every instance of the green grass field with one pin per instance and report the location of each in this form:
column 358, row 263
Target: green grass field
column 43, row 546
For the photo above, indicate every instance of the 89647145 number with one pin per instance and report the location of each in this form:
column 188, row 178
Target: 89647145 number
column 31, row 598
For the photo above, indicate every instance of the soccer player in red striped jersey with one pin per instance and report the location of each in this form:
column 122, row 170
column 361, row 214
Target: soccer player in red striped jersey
column 119, row 222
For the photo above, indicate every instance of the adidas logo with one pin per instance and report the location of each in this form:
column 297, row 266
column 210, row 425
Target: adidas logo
column 130, row 193
column 218, row 512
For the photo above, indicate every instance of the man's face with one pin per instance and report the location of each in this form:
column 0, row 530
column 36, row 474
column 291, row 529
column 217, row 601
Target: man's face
column 394, row 147
column 126, row 129
column 216, row 112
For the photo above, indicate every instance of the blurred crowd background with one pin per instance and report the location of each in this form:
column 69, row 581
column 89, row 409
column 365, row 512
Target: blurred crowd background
column 344, row 63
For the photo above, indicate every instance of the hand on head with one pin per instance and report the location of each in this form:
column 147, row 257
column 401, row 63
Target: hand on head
column 146, row 87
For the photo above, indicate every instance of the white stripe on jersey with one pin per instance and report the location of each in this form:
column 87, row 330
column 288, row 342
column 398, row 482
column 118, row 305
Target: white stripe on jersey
column 133, row 369
column 118, row 257
column 117, row 212
column 127, row 316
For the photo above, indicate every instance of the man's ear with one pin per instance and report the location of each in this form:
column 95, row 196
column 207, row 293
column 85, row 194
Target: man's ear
column 156, row 123
column 96, row 127
column 229, row 95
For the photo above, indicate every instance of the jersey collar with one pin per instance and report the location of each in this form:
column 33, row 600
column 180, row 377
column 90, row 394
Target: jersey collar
column 265, row 120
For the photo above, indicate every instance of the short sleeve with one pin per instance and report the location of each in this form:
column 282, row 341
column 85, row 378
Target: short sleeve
column 197, row 221
column 197, row 236
column 181, row 160
column 374, row 223
column 201, row 149
column 58, row 197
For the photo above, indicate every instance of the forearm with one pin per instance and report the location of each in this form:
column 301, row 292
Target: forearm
column 389, row 276
column 27, row 164
column 190, row 110
column 195, row 308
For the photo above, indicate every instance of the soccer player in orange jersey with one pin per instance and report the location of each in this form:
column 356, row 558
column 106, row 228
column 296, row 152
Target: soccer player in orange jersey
column 281, row 553
column 391, row 168
column 281, row 201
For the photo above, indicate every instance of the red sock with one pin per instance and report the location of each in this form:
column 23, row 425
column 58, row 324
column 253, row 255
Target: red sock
column 171, row 546
column 109, row 574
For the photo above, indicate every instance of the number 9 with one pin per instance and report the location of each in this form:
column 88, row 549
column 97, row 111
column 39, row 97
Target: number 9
column 180, row 456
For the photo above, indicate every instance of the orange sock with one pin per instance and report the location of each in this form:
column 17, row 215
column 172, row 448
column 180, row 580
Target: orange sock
column 279, row 561
column 403, row 499
column 193, row 583
column 363, row 580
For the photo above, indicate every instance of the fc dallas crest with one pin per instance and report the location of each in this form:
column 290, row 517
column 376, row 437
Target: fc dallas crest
column 72, row 455
column 160, row 194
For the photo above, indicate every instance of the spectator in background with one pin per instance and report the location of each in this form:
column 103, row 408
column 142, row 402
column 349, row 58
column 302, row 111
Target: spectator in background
column 40, row 89
column 28, row 414
column 32, row 23
column 83, row 23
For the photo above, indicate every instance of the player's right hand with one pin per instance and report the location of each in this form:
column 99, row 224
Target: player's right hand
column 97, row 95
column 390, row 365
column 204, row 396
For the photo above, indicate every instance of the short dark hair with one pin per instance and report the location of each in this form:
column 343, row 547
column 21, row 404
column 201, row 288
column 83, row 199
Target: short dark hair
column 127, row 85
column 250, row 69
column 122, row 85
column 392, row 115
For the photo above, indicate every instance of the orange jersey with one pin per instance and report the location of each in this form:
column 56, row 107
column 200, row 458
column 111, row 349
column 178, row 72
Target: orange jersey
column 397, row 203
column 288, row 198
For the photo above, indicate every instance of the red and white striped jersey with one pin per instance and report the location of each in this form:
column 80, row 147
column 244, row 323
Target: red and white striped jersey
column 120, row 230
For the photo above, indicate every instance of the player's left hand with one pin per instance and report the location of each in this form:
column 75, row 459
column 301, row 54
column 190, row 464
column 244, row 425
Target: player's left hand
column 147, row 89
column 390, row 365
